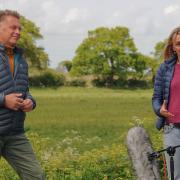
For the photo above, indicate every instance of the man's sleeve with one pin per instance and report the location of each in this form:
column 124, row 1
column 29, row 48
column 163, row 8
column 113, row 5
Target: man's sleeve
column 29, row 96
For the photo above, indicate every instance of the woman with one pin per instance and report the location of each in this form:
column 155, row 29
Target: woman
column 166, row 98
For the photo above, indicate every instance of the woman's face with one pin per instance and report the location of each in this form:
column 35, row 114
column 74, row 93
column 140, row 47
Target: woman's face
column 176, row 44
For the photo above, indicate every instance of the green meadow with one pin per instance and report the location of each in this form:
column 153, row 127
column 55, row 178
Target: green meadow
column 79, row 133
column 92, row 112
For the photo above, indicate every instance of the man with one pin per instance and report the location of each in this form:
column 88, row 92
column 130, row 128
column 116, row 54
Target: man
column 15, row 100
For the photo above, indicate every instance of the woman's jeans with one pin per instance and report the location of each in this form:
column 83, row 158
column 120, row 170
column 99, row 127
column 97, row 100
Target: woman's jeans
column 172, row 138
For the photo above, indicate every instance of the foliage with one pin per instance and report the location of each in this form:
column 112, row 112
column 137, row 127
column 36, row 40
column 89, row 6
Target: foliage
column 159, row 48
column 76, row 82
column 47, row 78
column 140, row 65
column 158, row 57
column 108, row 52
column 35, row 55
column 99, row 82
column 67, row 163
column 133, row 83
column 58, row 163
column 67, row 65
column 121, row 83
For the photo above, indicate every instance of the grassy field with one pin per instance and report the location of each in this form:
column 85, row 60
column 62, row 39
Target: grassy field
column 83, row 124
column 105, row 113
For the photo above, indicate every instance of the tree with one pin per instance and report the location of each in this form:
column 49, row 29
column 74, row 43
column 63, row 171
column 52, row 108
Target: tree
column 157, row 56
column 106, row 53
column 140, row 65
column 65, row 65
column 35, row 56
column 159, row 47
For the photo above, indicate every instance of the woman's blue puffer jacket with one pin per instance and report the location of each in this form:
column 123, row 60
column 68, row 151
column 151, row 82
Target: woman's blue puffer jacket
column 162, row 83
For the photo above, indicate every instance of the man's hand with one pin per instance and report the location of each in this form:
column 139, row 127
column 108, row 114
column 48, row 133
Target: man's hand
column 27, row 105
column 164, row 112
column 14, row 101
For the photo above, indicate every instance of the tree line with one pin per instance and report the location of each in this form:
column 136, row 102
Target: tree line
column 111, row 56
column 108, row 54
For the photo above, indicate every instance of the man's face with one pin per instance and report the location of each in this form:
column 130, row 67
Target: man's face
column 10, row 31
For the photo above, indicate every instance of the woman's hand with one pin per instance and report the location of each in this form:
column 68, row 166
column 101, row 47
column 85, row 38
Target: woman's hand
column 164, row 112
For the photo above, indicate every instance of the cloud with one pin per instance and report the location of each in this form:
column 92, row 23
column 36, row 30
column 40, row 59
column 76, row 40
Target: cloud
column 65, row 23
column 171, row 9
column 75, row 14
column 116, row 14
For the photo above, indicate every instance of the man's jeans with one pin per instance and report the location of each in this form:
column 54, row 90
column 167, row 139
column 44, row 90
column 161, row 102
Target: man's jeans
column 17, row 150
column 172, row 138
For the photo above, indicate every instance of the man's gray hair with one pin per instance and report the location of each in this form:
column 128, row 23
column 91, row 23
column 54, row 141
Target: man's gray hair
column 7, row 12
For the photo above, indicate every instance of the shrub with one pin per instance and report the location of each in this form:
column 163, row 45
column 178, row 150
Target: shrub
column 76, row 82
column 120, row 83
column 67, row 163
column 130, row 83
column 138, row 83
column 47, row 78
column 98, row 82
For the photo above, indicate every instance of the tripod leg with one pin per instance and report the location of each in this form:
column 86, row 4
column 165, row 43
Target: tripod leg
column 172, row 167
column 172, row 138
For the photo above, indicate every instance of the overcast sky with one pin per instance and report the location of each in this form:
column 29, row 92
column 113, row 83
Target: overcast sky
column 65, row 23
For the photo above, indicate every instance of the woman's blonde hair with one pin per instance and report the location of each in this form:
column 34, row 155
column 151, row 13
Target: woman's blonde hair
column 169, row 50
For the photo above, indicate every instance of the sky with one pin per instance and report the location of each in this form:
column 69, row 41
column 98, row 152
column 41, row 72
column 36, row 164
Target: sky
column 65, row 23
